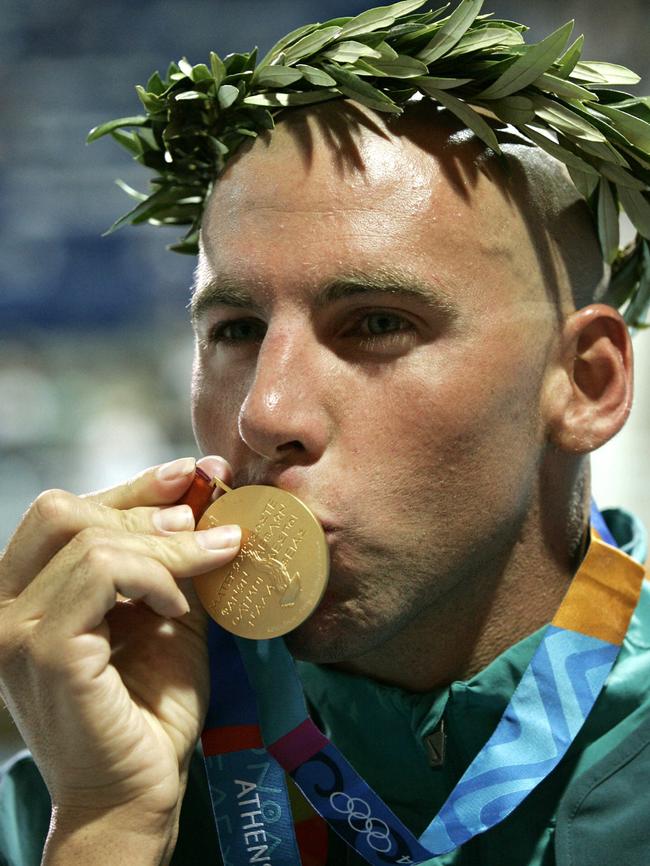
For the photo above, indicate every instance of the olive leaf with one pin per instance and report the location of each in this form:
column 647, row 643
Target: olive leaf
column 186, row 68
column 194, row 94
column 402, row 67
column 466, row 114
column 621, row 177
column 475, row 66
column 155, row 84
column 603, row 150
column 570, row 159
column 287, row 40
column 636, row 131
column 129, row 141
column 217, row 67
column 379, row 18
column 386, row 51
column 610, row 74
column 625, row 274
column 130, row 191
column 151, row 205
column 356, row 88
column 201, row 72
column 567, row 63
column 486, row 37
column 350, row 52
column 637, row 311
column 151, row 102
column 637, row 207
column 585, row 182
column 441, row 83
column 277, row 76
column 608, row 224
column 310, row 44
column 529, row 65
column 99, row 131
column 316, row 76
column 516, row 110
column 227, row 95
column 639, row 106
column 286, row 100
column 563, row 119
column 456, row 26
column 560, row 87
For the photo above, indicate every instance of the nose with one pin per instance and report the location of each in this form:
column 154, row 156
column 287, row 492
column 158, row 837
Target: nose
column 284, row 415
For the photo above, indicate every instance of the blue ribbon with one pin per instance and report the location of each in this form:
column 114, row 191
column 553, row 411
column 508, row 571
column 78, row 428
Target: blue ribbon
column 280, row 698
column 248, row 789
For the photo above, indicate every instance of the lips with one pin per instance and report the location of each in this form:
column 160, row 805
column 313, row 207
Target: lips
column 328, row 524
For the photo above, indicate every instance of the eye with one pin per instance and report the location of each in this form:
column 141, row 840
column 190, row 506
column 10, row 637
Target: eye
column 380, row 332
column 237, row 331
column 383, row 322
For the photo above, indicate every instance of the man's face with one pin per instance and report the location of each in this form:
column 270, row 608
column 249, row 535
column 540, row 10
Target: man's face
column 372, row 335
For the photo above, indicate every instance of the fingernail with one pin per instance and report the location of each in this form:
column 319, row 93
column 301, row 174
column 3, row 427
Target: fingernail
column 179, row 607
column 174, row 519
column 176, row 469
column 214, row 465
column 219, row 537
column 184, row 606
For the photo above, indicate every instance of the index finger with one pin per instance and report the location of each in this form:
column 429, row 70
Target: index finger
column 161, row 485
column 57, row 516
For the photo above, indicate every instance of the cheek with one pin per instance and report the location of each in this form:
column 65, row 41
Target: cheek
column 215, row 409
column 443, row 440
column 480, row 420
column 201, row 420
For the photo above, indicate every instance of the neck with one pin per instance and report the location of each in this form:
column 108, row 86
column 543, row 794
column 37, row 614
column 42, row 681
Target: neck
column 464, row 631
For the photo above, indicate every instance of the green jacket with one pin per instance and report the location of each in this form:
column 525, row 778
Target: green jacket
column 593, row 810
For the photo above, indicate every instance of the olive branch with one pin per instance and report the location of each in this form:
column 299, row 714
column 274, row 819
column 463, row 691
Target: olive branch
column 477, row 67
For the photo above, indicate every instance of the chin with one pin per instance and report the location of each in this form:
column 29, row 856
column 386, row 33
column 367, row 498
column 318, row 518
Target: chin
column 334, row 633
column 307, row 647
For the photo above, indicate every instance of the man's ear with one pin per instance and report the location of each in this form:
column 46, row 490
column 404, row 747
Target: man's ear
column 588, row 392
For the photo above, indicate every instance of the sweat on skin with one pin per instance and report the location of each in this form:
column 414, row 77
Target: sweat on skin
column 387, row 327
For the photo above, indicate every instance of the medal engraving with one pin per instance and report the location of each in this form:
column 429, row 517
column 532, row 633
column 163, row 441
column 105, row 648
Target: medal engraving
column 278, row 578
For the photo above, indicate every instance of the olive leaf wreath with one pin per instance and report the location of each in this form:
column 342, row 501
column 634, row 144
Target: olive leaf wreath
column 477, row 67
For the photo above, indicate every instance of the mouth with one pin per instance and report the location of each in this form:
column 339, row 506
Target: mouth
column 330, row 528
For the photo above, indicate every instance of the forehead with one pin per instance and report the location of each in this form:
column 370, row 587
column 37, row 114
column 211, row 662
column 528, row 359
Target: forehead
column 339, row 189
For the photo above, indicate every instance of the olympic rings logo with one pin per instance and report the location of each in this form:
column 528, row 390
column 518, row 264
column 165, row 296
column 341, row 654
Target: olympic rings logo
column 361, row 820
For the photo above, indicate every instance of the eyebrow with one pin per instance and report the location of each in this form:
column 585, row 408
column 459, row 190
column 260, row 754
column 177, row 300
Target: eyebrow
column 230, row 292
column 226, row 292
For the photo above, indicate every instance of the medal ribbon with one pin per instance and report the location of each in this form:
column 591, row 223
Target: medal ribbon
column 248, row 790
column 549, row 706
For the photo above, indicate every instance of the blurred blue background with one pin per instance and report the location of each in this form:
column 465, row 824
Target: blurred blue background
column 95, row 346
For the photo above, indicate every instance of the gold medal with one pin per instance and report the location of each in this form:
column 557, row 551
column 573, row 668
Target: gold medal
column 279, row 576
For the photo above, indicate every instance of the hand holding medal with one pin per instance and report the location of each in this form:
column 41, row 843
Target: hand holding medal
column 279, row 576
